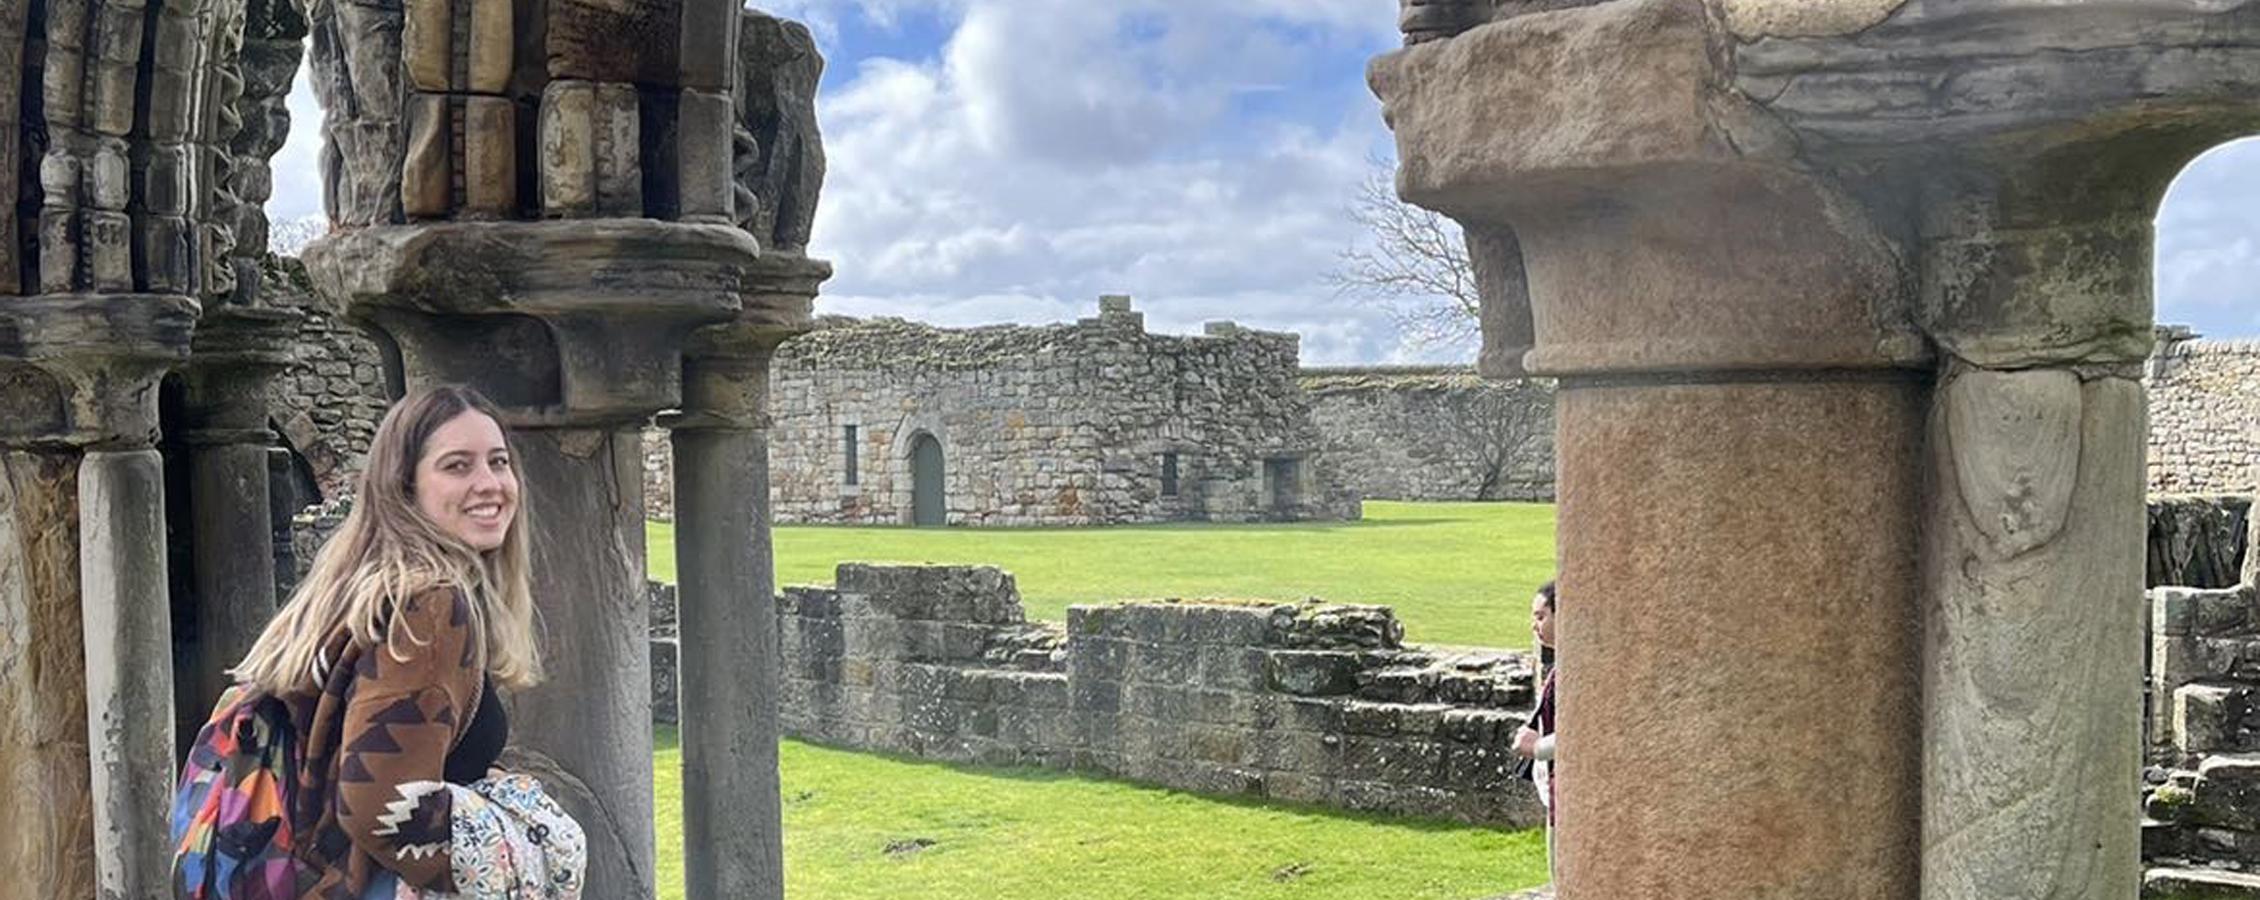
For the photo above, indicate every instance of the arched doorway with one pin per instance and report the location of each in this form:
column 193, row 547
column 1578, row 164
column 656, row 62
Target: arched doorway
column 926, row 506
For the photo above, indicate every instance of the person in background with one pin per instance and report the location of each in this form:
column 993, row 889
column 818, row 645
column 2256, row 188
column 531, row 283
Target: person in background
column 1534, row 741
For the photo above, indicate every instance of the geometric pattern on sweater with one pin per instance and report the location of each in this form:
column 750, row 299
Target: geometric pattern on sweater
column 377, row 725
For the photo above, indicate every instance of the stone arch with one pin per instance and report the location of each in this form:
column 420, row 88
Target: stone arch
column 2204, row 408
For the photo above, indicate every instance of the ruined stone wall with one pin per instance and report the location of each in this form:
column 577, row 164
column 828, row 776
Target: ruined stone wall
column 1435, row 433
column 2205, row 417
column 1309, row 703
column 2201, row 828
column 1048, row 425
column 328, row 403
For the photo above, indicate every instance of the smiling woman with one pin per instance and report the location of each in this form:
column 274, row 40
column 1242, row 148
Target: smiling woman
column 373, row 691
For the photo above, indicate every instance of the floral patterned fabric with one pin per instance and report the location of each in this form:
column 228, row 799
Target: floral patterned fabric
column 510, row 842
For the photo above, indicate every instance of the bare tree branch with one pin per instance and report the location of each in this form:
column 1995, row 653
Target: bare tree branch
column 1414, row 261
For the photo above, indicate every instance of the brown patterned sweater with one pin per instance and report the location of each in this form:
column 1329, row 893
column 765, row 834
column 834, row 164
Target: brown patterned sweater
column 372, row 800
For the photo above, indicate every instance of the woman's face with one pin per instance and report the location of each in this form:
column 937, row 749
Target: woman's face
column 465, row 482
column 1541, row 620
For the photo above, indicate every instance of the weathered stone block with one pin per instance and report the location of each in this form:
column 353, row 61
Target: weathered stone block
column 1233, row 668
column 619, row 151
column 109, row 251
column 1312, row 715
column 171, row 108
column 614, row 40
column 569, row 123
column 2227, row 793
column 708, row 59
column 168, row 253
column 489, row 157
column 1312, row 673
column 2199, row 884
column 427, row 178
column 2206, row 716
column 116, row 55
column 705, row 153
column 1297, row 787
column 427, row 44
column 1216, row 744
column 1391, row 760
column 1165, row 664
column 1307, row 752
column 493, row 51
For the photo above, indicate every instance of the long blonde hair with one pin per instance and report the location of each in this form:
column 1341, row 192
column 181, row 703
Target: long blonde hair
column 387, row 550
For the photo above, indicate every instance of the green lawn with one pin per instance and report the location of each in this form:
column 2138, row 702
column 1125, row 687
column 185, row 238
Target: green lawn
column 1036, row 835
column 1457, row 573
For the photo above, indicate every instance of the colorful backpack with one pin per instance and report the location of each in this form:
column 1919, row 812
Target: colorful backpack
column 231, row 829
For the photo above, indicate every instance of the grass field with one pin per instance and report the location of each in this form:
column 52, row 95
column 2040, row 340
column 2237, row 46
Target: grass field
column 1457, row 573
column 867, row 827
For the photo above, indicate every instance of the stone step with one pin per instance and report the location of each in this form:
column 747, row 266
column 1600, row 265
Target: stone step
column 2199, row 884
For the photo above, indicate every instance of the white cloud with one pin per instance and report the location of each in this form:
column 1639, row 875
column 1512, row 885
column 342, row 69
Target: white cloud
column 1040, row 160
column 2208, row 264
column 297, row 166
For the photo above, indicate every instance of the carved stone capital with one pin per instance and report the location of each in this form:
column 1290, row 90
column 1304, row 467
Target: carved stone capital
column 1663, row 221
column 1978, row 174
column 563, row 323
column 237, row 352
column 726, row 366
column 82, row 369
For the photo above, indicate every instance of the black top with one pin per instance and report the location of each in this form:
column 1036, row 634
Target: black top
column 482, row 743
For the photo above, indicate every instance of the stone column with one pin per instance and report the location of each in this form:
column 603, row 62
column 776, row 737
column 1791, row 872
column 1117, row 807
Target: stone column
column 1745, row 239
column 576, row 329
column 2036, row 528
column 732, row 823
column 1739, row 426
column 85, row 645
column 237, row 351
column 129, row 680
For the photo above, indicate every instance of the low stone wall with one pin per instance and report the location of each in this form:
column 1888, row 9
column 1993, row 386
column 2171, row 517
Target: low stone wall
column 1435, row 432
column 1312, row 703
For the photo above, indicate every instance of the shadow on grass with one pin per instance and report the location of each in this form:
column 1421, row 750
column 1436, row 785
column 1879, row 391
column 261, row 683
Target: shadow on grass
column 668, row 738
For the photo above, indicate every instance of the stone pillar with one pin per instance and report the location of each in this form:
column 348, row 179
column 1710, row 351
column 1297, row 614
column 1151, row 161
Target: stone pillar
column 587, row 732
column 1849, row 408
column 237, row 351
column 576, row 329
column 2036, row 529
column 129, row 680
column 732, row 823
column 86, row 689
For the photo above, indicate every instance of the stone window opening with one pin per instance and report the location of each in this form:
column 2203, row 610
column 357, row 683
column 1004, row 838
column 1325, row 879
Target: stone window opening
column 1169, row 485
column 847, row 453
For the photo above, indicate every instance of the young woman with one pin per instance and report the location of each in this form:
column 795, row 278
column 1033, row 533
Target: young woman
column 388, row 658
column 1535, row 739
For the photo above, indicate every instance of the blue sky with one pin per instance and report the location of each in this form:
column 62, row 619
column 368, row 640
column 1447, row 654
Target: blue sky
column 1005, row 160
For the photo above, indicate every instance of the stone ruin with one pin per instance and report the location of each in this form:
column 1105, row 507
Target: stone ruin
column 1849, row 303
column 1434, row 432
column 2201, row 831
column 592, row 212
column 1312, row 703
column 1098, row 422
column 1884, row 260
